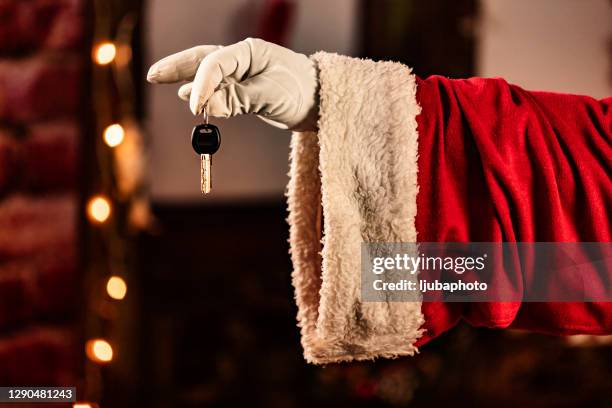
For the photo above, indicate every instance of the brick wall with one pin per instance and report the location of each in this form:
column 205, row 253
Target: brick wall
column 41, row 83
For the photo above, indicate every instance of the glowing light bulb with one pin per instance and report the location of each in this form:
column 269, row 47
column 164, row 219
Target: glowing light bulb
column 99, row 350
column 114, row 135
column 105, row 53
column 83, row 405
column 98, row 209
column 116, row 287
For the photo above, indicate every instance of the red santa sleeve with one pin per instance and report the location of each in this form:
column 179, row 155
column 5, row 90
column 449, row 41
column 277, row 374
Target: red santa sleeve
column 499, row 163
column 399, row 159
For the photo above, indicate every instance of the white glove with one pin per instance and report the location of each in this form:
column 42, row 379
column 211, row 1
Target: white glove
column 251, row 76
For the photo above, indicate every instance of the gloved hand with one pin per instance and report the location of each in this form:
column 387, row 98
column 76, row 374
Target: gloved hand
column 251, row 76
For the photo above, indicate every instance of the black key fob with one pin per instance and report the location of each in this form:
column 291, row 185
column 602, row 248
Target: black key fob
column 205, row 138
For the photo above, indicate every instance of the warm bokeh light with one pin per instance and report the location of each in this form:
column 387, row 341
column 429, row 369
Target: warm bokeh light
column 99, row 350
column 105, row 53
column 98, row 209
column 116, row 287
column 83, row 405
column 114, row 134
column 588, row 340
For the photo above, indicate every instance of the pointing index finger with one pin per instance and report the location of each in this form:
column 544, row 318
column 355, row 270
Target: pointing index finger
column 180, row 66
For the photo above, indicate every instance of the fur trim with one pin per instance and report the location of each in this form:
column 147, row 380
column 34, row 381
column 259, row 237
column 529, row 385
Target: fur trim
column 361, row 169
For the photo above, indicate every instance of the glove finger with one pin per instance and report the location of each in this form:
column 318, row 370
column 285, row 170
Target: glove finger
column 181, row 66
column 219, row 104
column 185, row 91
column 274, row 123
column 248, row 96
column 232, row 62
column 233, row 99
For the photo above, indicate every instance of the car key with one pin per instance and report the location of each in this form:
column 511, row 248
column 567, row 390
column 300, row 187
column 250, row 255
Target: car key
column 205, row 140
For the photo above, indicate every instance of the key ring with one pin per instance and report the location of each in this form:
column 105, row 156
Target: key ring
column 205, row 115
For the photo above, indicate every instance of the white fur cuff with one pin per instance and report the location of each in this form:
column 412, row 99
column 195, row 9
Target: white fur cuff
column 354, row 181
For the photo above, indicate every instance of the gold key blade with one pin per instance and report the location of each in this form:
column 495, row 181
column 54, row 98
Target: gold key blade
column 205, row 173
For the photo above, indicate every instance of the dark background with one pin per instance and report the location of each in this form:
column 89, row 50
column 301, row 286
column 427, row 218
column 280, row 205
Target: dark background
column 219, row 330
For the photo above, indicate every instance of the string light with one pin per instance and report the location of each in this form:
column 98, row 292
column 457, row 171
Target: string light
column 116, row 287
column 105, row 53
column 114, row 135
column 99, row 350
column 124, row 137
column 98, row 209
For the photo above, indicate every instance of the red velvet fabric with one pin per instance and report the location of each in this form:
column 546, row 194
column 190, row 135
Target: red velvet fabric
column 499, row 163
